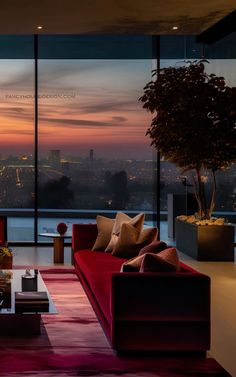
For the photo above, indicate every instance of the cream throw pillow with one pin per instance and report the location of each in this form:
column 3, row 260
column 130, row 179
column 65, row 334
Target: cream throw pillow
column 122, row 218
column 130, row 241
column 105, row 226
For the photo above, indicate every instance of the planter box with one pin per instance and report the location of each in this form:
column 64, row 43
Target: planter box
column 205, row 242
column 6, row 262
column 178, row 204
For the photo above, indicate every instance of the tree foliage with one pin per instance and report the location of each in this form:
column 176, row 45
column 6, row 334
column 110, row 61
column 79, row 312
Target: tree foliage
column 56, row 193
column 194, row 122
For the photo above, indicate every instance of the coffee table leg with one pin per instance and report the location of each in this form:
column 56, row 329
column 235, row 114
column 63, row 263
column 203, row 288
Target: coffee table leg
column 58, row 250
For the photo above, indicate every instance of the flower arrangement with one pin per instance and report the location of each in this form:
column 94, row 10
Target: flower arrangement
column 5, row 251
column 61, row 228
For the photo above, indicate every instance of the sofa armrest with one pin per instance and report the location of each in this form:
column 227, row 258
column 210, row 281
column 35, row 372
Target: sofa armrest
column 157, row 296
column 83, row 236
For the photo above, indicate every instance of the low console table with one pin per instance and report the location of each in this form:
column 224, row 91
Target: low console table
column 58, row 245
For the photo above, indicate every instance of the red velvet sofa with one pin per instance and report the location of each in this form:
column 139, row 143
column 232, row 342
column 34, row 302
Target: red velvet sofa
column 143, row 311
column 3, row 230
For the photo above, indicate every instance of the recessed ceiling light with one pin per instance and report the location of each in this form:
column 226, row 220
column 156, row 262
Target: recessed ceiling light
column 175, row 27
column 39, row 27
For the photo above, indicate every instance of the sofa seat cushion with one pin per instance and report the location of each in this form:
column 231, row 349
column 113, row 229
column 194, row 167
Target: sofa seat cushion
column 97, row 267
column 93, row 262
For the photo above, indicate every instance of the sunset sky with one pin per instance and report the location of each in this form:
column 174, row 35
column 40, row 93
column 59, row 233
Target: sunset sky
column 83, row 104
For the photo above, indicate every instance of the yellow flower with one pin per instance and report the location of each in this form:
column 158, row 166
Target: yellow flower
column 5, row 251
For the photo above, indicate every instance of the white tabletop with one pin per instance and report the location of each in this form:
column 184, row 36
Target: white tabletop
column 56, row 235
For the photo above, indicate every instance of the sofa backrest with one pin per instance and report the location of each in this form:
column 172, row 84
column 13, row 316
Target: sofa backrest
column 83, row 236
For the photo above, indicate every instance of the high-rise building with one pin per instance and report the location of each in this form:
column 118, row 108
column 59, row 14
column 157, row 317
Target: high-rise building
column 91, row 154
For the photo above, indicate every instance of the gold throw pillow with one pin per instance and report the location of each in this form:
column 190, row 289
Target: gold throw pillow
column 130, row 242
column 105, row 226
column 122, row 218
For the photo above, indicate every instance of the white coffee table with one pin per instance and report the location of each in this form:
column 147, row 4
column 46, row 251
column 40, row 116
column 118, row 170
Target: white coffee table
column 23, row 323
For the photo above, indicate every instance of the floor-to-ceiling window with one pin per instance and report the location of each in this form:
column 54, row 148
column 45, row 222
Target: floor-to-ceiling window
column 176, row 185
column 94, row 156
column 92, row 152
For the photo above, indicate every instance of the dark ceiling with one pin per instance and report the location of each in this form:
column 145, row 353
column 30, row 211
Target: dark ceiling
column 111, row 16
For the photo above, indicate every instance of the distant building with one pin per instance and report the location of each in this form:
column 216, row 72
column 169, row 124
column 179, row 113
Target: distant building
column 91, row 156
column 54, row 156
column 65, row 166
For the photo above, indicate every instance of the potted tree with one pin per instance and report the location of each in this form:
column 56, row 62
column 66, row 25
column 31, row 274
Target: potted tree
column 194, row 127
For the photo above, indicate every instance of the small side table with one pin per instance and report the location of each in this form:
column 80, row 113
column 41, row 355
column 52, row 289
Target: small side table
column 58, row 245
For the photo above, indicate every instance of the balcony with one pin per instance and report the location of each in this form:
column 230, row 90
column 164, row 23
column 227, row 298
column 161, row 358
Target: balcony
column 20, row 222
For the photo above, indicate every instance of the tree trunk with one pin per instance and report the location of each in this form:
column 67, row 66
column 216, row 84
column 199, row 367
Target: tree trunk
column 213, row 195
column 201, row 195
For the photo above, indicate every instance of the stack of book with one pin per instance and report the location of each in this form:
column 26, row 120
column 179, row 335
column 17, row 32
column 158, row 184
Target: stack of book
column 28, row 302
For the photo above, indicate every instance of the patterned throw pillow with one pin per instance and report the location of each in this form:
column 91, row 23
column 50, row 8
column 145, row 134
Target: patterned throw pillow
column 105, row 226
column 154, row 247
column 122, row 218
column 130, row 242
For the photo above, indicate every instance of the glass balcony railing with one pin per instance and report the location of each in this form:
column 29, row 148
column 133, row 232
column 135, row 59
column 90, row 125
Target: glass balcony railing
column 20, row 222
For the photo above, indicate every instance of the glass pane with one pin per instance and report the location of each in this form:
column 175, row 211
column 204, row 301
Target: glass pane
column 226, row 192
column 17, row 145
column 179, row 47
column 177, row 189
column 95, row 47
column 93, row 152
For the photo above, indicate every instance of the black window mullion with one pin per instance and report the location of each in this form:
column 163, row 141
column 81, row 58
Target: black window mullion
column 157, row 193
column 36, row 138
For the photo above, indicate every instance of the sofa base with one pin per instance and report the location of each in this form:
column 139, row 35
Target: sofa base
column 187, row 354
column 99, row 314
column 169, row 337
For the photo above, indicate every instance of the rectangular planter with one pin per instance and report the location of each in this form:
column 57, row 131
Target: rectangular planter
column 178, row 204
column 6, row 262
column 205, row 242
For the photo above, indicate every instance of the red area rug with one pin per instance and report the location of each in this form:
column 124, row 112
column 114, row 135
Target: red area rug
column 72, row 343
